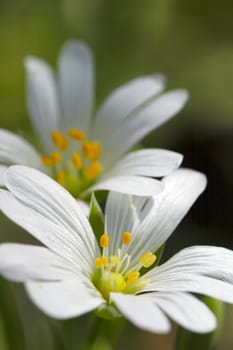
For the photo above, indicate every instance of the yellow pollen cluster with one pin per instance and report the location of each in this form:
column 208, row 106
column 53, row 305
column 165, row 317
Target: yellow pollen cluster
column 77, row 161
column 51, row 160
column 104, row 240
column 126, row 237
column 93, row 170
column 101, row 261
column 61, row 177
column 147, row 259
column 60, row 140
column 133, row 277
column 91, row 150
column 77, row 134
column 86, row 161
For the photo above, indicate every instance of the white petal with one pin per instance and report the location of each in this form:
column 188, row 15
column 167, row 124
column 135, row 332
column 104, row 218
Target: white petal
column 53, row 206
column 76, row 70
column 137, row 185
column 64, row 299
column 2, row 172
column 187, row 311
column 120, row 216
column 131, row 130
column 215, row 262
column 192, row 283
column 42, row 99
column 84, row 207
column 16, row 150
column 20, row 263
column 141, row 312
column 148, row 162
column 181, row 189
column 123, row 101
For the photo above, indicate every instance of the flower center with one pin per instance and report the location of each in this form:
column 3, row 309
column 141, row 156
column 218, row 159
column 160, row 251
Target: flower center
column 113, row 273
column 75, row 163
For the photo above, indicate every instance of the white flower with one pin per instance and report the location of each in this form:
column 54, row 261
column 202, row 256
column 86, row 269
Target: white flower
column 75, row 274
column 83, row 152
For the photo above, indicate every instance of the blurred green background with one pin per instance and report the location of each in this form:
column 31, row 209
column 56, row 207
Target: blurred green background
column 191, row 42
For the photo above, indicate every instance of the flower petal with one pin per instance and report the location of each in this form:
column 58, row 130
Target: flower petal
column 142, row 312
column 65, row 299
column 42, row 99
column 2, row 172
column 137, row 185
column 148, row 162
column 215, row 262
column 181, row 189
column 203, row 270
column 187, row 311
column 16, row 150
column 63, row 226
column 134, row 128
column 76, row 71
column 120, row 216
column 190, row 283
column 20, row 263
column 123, row 101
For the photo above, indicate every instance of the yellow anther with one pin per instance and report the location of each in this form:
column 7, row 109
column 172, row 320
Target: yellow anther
column 98, row 262
column 59, row 140
column 104, row 260
column 93, row 170
column 55, row 157
column 77, row 134
column 101, row 261
column 104, row 240
column 91, row 150
column 115, row 260
column 147, row 259
column 61, row 177
column 77, row 161
column 126, row 237
column 47, row 161
column 133, row 277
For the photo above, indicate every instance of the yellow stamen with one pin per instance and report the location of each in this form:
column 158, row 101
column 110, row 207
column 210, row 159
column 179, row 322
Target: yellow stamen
column 93, row 170
column 47, row 161
column 147, row 259
column 133, row 277
column 77, row 161
column 104, row 240
column 115, row 260
column 55, row 157
column 61, row 177
column 126, row 237
column 77, row 134
column 91, row 150
column 59, row 140
column 101, row 261
column 98, row 262
column 104, row 260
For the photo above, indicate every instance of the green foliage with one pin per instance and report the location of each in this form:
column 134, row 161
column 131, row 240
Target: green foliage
column 96, row 217
column 209, row 341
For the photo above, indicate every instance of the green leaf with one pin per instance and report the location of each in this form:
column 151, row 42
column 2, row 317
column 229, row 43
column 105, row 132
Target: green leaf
column 159, row 253
column 96, row 217
column 209, row 341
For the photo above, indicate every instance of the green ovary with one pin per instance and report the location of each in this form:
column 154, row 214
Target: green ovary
column 109, row 282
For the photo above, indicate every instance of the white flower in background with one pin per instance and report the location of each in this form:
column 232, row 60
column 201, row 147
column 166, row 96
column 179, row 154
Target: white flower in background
column 85, row 153
column 75, row 273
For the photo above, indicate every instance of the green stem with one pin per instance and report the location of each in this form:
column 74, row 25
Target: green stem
column 104, row 334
